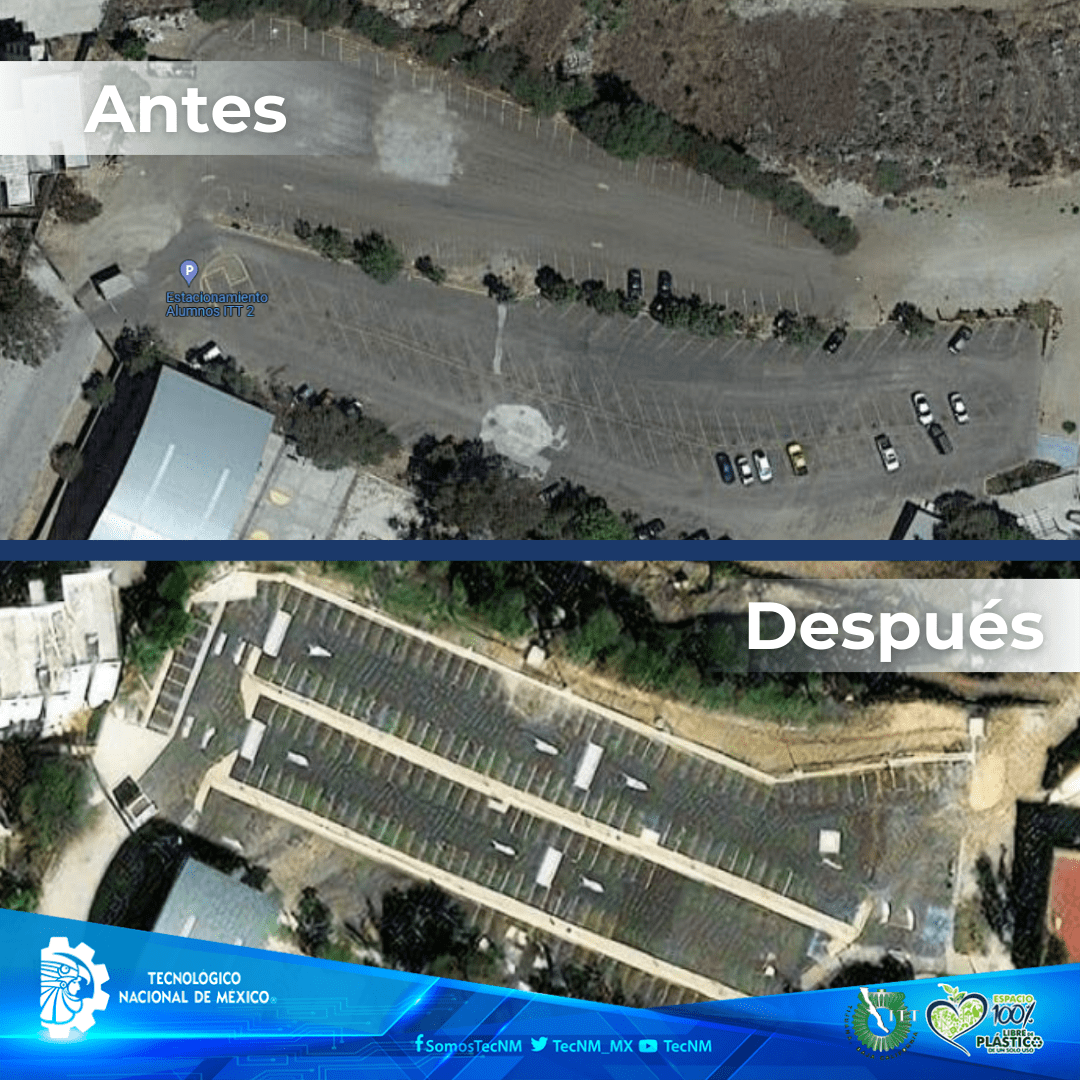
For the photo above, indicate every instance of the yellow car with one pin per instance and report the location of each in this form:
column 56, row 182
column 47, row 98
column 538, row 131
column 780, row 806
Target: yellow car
column 797, row 458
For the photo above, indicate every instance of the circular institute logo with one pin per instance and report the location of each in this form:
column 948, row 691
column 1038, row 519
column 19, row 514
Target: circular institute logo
column 880, row 1022
column 70, row 988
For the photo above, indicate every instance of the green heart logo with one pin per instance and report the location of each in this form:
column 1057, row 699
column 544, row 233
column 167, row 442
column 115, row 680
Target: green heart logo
column 949, row 1020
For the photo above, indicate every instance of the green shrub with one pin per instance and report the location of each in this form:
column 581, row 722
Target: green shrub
column 378, row 257
column 599, row 523
column 375, row 26
column 443, row 44
column 328, row 240
column 71, row 203
column 98, row 390
column 890, row 178
column 427, row 267
column 139, row 348
column 54, row 802
column 1026, row 475
column 66, row 460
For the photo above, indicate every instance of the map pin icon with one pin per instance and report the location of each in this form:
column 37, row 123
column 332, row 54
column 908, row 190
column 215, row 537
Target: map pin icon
column 188, row 269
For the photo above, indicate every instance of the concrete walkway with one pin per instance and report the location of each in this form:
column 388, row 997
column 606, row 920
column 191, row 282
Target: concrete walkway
column 489, row 898
column 69, row 887
column 252, row 687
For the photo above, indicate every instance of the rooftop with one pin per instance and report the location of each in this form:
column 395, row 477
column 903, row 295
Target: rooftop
column 189, row 473
column 57, row 658
column 204, row 903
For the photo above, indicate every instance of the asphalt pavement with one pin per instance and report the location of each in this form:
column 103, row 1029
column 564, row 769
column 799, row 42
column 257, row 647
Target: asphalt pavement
column 634, row 411
column 641, row 410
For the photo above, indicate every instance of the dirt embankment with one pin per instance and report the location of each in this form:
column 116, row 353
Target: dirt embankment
column 832, row 87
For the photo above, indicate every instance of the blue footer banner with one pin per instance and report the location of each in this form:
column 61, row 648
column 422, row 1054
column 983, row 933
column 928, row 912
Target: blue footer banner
column 85, row 1000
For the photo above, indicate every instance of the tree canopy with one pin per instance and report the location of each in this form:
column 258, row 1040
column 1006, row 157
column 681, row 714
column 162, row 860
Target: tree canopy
column 29, row 317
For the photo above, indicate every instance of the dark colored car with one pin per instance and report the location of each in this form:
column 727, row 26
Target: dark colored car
column 941, row 440
column 725, row 468
column 207, row 354
column 353, row 408
column 650, row 530
column 960, row 339
column 700, row 534
column 547, row 496
column 663, row 284
column 635, row 286
column 303, row 394
column 835, row 340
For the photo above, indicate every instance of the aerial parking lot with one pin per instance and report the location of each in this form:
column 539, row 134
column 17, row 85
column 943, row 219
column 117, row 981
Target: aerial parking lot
column 634, row 411
column 428, row 816
column 640, row 410
column 481, row 773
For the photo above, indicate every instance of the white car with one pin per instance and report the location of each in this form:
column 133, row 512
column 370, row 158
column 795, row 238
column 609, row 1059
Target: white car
column 959, row 409
column 921, row 404
column 761, row 463
column 888, row 454
column 742, row 467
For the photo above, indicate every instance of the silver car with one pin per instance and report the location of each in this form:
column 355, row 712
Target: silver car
column 921, row 404
column 761, row 463
column 742, row 467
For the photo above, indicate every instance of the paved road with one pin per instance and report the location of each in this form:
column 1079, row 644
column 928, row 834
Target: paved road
column 34, row 401
column 436, row 164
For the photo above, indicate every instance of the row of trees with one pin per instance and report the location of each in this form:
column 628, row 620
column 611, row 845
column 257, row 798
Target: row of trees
column 557, row 289
column 331, row 438
column 377, row 256
column 592, row 622
column 423, row 930
column 604, row 108
column 627, row 127
column 465, row 489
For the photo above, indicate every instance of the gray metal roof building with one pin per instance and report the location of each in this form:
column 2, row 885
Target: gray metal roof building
column 191, row 468
column 207, row 904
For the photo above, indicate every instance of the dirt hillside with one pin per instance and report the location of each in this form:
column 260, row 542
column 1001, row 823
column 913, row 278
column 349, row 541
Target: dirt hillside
column 834, row 87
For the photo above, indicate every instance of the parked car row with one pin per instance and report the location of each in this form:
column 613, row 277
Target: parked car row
column 925, row 416
column 757, row 465
column 307, row 396
column 635, row 284
column 957, row 342
column 924, row 413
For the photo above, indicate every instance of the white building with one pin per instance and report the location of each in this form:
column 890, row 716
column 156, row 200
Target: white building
column 59, row 658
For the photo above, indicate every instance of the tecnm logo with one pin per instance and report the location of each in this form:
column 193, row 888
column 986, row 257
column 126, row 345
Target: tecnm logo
column 70, row 988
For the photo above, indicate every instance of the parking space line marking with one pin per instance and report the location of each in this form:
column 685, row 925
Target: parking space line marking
column 603, row 834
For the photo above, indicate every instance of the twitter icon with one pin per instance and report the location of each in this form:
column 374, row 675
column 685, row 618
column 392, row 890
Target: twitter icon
column 539, row 1044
